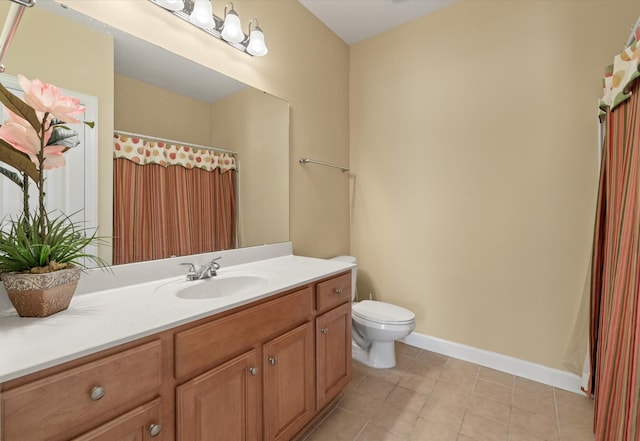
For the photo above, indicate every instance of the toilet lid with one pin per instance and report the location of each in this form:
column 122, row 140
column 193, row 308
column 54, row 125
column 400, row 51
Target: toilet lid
column 382, row 312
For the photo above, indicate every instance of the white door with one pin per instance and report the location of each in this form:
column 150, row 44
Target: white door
column 71, row 189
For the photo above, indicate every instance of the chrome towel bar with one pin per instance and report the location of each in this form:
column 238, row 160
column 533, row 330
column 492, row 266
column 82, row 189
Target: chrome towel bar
column 304, row 161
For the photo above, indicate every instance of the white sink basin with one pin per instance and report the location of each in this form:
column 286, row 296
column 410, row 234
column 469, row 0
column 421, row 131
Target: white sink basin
column 222, row 285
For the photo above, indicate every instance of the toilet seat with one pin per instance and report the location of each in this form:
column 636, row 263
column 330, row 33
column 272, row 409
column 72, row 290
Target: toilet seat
column 381, row 312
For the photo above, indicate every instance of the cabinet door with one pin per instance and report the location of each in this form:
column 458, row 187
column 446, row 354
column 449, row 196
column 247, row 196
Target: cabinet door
column 221, row 404
column 140, row 424
column 333, row 358
column 289, row 377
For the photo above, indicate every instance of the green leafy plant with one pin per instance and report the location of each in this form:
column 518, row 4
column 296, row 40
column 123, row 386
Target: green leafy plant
column 64, row 242
column 32, row 140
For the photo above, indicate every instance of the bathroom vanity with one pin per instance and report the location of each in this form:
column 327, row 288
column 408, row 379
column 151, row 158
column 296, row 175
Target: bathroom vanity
column 248, row 366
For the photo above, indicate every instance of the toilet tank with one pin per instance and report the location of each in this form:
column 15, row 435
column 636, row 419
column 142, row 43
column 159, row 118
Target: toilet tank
column 354, row 272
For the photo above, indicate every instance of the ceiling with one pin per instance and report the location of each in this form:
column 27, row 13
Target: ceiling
column 355, row 20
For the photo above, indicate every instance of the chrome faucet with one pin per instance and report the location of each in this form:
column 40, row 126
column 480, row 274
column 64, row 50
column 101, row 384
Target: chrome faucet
column 206, row 271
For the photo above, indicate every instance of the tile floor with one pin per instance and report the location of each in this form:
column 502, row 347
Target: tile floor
column 431, row 397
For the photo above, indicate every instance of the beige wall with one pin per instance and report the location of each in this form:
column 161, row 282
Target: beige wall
column 67, row 55
column 256, row 125
column 307, row 66
column 149, row 110
column 473, row 151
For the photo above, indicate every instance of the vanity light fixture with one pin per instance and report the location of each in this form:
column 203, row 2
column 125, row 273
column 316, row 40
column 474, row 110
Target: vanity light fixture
column 256, row 44
column 227, row 29
column 202, row 15
column 231, row 29
column 172, row 5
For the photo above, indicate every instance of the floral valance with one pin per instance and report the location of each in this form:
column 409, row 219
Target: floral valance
column 146, row 151
column 621, row 73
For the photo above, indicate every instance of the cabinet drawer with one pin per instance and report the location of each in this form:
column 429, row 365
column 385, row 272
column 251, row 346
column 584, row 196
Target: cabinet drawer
column 202, row 346
column 140, row 424
column 333, row 292
column 54, row 407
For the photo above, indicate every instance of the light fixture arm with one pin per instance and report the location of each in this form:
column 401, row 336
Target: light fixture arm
column 11, row 25
column 255, row 21
column 230, row 10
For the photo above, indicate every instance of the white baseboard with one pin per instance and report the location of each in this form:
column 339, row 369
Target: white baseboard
column 515, row 366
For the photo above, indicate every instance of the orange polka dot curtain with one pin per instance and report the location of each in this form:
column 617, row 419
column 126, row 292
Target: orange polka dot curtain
column 171, row 200
column 142, row 151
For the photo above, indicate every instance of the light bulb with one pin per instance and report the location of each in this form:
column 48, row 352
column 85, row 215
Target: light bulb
column 256, row 44
column 171, row 5
column 231, row 30
column 202, row 15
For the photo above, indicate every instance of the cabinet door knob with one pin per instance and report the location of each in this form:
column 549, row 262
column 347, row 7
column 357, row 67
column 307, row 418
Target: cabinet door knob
column 253, row 371
column 273, row 361
column 155, row 429
column 97, row 393
column 338, row 290
column 325, row 331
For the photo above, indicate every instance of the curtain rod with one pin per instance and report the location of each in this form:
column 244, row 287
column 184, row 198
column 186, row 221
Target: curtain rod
column 304, row 161
column 171, row 141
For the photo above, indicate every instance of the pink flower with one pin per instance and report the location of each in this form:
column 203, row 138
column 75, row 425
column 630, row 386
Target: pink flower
column 22, row 136
column 45, row 97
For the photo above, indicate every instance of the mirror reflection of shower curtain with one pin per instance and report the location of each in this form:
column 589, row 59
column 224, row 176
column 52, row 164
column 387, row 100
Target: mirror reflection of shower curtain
column 170, row 205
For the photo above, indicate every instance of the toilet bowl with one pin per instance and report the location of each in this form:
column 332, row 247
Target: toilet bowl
column 375, row 326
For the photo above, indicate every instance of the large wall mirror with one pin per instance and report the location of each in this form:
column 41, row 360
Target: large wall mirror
column 160, row 94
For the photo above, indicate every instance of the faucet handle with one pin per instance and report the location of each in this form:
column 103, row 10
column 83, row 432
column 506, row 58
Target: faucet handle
column 192, row 269
column 215, row 264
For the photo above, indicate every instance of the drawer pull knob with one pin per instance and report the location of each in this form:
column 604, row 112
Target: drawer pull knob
column 338, row 290
column 253, row 371
column 325, row 331
column 155, row 429
column 273, row 361
column 97, row 393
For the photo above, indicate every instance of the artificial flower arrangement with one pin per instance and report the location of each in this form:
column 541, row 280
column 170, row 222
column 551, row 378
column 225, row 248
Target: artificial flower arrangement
column 32, row 140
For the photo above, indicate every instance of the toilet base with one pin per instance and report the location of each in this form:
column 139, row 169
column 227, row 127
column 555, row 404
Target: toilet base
column 381, row 354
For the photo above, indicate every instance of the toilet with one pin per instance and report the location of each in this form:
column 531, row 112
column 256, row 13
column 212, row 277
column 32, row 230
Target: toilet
column 376, row 326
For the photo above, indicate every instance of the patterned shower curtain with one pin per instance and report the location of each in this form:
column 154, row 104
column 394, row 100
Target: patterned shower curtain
column 615, row 284
column 171, row 200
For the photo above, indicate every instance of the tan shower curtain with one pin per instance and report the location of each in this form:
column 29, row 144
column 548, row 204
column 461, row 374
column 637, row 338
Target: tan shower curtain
column 162, row 209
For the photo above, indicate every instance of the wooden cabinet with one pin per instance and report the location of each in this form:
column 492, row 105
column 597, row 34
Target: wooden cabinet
column 140, row 424
column 200, row 347
column 243, row 399
column 333, row 292
column 333, row 348
column 221, row 404
column 260, row 372
column 60, row 406
column 289, row 383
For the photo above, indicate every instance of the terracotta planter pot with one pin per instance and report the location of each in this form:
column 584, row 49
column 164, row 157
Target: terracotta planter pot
column 40, row 295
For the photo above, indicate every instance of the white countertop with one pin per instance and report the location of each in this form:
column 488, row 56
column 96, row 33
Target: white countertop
column 107, row 318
